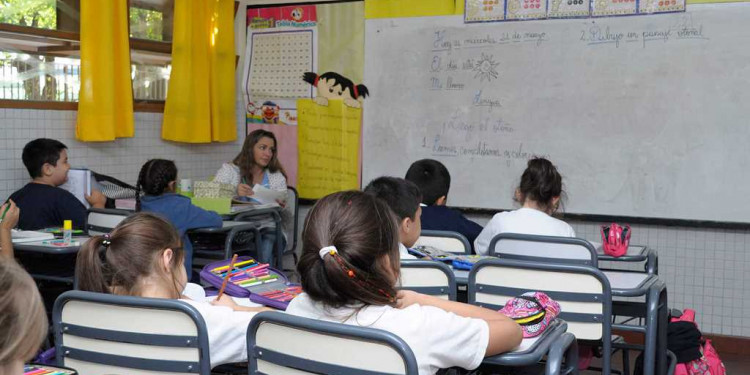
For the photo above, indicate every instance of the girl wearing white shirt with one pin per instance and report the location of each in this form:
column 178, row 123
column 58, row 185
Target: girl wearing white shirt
column 539, row 194
column 143, row 257
column 24, row 322
column 349, row 269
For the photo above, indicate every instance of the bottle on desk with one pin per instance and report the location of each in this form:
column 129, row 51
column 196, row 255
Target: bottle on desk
column 67, row 232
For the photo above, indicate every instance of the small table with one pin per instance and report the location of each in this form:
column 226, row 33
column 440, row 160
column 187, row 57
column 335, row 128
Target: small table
column 258, row 214
column 634, row 253
column 231, row 229
column 46, row 248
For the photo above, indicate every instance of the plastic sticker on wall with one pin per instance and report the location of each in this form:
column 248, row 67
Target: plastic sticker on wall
column 484, row 10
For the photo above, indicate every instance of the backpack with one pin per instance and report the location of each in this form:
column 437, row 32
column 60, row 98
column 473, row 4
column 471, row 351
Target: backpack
column 709, row 363
column 615, row 239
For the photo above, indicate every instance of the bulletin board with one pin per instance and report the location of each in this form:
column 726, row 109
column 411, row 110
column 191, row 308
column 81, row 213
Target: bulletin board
column 283, row 42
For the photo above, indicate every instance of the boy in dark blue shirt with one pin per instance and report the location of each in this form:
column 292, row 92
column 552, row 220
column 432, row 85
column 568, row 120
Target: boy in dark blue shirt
column 42, row 203
column 434, row 181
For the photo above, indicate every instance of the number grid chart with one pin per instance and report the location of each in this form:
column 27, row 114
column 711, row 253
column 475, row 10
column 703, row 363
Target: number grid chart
column 278, row 59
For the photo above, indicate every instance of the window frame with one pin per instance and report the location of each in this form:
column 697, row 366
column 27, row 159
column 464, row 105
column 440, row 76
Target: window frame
column 70, row 41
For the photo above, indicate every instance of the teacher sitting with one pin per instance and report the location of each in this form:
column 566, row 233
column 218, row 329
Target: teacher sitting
column 258, row 164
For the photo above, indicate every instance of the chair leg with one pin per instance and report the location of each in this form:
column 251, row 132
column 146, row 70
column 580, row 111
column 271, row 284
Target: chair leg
column 626, row 361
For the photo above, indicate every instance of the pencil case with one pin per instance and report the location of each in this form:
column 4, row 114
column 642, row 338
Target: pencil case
column 432, row 253
column 39, row 369
column 272, row 289
column 466, row 262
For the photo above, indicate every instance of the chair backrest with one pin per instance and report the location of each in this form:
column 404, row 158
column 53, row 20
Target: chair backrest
column 292, row 204
column 537, row 248
column 452, row 242
column 583, row 292
column 102, row 220
column 428, row 277
column 279, row 343
column 106, row 334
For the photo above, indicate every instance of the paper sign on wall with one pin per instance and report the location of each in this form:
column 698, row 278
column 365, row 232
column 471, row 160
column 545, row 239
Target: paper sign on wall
column 329, row 138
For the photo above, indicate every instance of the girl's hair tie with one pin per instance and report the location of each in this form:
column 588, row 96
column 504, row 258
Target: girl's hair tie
column 106, row 241
column 327, row 250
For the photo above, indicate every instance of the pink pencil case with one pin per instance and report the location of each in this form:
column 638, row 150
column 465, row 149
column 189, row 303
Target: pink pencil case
column 273, row 289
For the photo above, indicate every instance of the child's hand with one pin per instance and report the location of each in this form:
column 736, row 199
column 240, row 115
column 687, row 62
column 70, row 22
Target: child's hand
column 244, row 190
column 96, row 199
column 406, row 298
column 281, row 203
column 225, row 300
column 11, row 217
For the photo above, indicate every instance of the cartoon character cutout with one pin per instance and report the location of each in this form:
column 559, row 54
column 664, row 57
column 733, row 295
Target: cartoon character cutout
column 269, row 111
column 297, row 14
column 332, row 85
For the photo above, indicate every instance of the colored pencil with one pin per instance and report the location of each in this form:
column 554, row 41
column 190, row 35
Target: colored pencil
column 226, row 278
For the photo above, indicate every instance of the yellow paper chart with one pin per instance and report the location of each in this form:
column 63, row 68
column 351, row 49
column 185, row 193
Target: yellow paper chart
column 408, row 8
column 328, row 144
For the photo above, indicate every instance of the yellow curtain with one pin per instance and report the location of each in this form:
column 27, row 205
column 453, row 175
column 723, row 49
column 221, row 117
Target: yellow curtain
column 201, row 97
column 105, row 100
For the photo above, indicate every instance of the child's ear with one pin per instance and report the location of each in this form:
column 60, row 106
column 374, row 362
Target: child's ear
column 407, row 224
column 166, row 260
column 441, row 201
column 555, row 203
column 47, row 169
column 172, row 186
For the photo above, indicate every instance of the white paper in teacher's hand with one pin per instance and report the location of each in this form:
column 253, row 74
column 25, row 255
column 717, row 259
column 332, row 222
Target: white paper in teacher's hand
column 266, row 195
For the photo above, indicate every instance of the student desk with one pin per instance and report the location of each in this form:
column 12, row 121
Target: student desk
column 49, row 251
column 554, row 343
column 231, row 230
column 635, row 253
column 633, row 284
column 260, row 215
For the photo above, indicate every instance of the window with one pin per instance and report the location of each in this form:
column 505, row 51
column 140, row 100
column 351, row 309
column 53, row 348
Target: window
column 39, row 45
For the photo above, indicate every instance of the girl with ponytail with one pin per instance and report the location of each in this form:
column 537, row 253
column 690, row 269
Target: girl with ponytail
column 23, row 322
column 349, row 269
column 540, row 194
column 157, row 182
column 143, row 256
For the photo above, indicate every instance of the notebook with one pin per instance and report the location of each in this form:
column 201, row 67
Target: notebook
column 21, row 236
column 79, row 184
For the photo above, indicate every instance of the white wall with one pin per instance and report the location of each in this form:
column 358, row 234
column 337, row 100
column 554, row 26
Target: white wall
column 122, row 158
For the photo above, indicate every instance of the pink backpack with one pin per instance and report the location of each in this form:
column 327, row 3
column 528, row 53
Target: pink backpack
column 709, row 363
column 615, row 239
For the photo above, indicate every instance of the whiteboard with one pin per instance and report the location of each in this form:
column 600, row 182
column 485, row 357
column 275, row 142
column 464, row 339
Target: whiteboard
column 644, row 116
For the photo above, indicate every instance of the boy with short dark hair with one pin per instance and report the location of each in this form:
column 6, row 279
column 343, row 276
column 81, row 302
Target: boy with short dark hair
column 42, row 203
column 403, row 198
column 434, row 181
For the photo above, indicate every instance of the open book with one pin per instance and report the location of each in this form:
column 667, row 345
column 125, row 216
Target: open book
column 79, row 183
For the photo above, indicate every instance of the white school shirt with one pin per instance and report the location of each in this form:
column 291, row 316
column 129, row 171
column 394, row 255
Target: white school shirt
column 227, row 329
column 403, row 253
column 439, row 339
column 524, row 221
